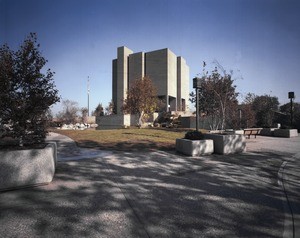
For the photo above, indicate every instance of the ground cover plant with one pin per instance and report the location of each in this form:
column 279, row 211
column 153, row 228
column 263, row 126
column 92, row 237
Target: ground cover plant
column 126, row 139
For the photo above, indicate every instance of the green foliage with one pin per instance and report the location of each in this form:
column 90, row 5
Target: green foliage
column 99, row 111
column 265, row 107
column 26, row 93
column 285, row 116
column 194, row 135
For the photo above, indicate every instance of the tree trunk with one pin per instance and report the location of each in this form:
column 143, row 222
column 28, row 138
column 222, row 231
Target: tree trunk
column 223, row 107
column 140, row 123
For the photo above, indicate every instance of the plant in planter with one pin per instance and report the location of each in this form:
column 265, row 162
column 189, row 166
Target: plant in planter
column 194, row 135
column 194, row 144
column 26, row 94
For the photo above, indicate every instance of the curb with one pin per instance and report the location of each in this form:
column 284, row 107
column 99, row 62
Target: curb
column 289, row 224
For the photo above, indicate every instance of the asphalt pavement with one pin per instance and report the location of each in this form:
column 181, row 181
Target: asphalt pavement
column 162, row 194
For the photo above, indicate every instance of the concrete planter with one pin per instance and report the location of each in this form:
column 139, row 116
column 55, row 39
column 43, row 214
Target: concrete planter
column 239, row 132
column 23, row 168
column 286, row 133
column 267, row 131
column 232, row 132
column 227, row 144
column 194, row 147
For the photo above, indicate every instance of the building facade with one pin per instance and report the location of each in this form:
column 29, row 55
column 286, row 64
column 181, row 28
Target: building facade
column 168, row 72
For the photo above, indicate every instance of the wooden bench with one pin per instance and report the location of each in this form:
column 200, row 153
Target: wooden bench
column 252, row 131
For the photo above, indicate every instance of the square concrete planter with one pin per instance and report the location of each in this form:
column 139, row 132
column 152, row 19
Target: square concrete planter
column 194, row 147
column 227, row 144
column 30, row 167
column 286, row 133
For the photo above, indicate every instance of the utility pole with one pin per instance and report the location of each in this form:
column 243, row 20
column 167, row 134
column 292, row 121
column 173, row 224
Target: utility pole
column 88, row 94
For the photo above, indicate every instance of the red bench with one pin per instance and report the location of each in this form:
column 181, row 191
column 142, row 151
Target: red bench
column 252, row 131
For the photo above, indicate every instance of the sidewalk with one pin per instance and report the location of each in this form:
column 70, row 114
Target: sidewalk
column 291, row 185
column 288, row 179
column 68, row 150
column 159, row 194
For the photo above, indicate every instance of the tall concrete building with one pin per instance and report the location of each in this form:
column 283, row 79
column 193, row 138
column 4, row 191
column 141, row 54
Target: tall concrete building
column 168, row 72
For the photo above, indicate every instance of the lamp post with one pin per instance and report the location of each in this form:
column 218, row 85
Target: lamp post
column 196, row 86
column 291, row 97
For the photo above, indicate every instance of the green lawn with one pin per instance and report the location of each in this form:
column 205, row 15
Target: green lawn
column 126, row 139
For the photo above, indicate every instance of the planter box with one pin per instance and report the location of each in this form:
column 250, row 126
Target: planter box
column 286, row 133
column 227, row 144
column 194, row 147
column 23, row 168
column 267, row 131
column 233, row 132
column 239, row 132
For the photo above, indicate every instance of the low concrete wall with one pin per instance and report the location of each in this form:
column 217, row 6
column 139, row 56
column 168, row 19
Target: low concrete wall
column 267, row 131
column 286, row 133
column 227, row 144
column 22, row 168
column 194, row 147
column 115, row 121
column 188, row 122
column 91, row 119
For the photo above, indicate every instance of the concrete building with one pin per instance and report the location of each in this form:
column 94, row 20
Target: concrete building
column 168, row 72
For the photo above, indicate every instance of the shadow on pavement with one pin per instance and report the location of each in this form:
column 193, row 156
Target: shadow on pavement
column 152, row 194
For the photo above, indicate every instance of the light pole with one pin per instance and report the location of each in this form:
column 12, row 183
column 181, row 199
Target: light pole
column 197, row 85
column 291, row 97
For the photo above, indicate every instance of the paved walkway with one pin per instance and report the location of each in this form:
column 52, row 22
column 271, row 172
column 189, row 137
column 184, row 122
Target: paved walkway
column 162, row 194
column 288, row 177
column 68, row 150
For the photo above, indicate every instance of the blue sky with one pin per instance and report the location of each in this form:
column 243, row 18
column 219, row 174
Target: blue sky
column 258, row 39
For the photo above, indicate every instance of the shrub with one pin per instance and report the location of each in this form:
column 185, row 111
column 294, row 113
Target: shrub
column 26, row 91
column 194, row 135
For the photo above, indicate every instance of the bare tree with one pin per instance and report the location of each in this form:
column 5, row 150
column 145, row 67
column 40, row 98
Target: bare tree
column 247, row 113
column 69, row 113
column 217, row 96
column 110, row 109
column 84, row 113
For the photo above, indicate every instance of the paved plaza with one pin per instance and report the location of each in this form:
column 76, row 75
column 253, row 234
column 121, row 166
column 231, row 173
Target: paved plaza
column 162, row 194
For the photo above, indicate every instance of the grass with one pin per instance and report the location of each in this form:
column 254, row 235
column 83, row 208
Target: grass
column 126, row 139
